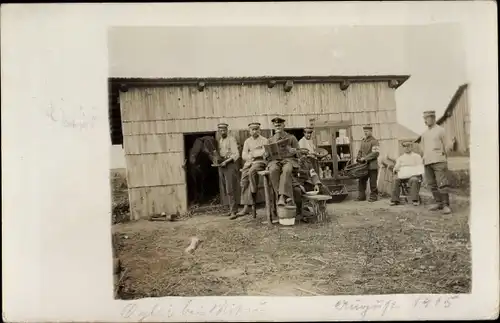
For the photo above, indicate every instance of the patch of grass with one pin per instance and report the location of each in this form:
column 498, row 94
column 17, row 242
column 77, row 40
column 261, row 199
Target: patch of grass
column 361, row 251
column 120, row 206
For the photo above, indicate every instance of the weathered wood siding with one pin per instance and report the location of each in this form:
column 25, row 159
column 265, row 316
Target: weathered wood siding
column 457, row 124
column 154, row 120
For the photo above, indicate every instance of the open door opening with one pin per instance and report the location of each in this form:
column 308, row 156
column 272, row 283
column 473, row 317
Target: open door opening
column 202, row 179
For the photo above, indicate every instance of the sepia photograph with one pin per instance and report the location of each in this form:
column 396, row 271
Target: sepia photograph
column 259, row 161
column 230, row 162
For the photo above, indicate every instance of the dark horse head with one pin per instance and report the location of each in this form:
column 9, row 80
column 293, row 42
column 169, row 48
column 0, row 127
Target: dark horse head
column 206, row 145
column 201, row 155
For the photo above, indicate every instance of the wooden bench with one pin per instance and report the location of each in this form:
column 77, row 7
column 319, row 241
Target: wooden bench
column 318, row 205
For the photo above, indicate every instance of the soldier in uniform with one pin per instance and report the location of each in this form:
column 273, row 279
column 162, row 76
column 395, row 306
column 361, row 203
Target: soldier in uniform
column 228, row 150
column 281, row 170
column 434, row 144
column 253, row 155
column 306, row 179
column 368, row 153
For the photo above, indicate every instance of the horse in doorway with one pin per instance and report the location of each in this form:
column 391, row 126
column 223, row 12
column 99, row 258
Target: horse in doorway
column 201, row 156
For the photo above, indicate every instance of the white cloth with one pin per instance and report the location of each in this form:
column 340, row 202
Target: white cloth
column 408, row 165
column 253, row 147
column 228, row 148
column 307, row 144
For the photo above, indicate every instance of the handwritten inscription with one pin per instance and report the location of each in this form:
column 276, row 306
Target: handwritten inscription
column 435, row 302
column 71, row 117
column 134, row 312
column 140, row 313
column 379, row 307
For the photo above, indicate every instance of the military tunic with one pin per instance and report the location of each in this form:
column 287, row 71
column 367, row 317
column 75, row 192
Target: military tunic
column 281, row 171
column 433, row 144
column 369, row 150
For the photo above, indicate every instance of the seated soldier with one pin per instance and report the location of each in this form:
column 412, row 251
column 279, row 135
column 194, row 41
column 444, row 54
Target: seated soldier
column 409, row 167
column 307, row 143
column 306, row 179
column 253, row 155
column 281, row 168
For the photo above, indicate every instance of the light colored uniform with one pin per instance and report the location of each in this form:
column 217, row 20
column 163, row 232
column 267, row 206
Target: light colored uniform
column 407, row 160
column 253, row 151
column 433, row 144
column 228, row 148
column 307, row 144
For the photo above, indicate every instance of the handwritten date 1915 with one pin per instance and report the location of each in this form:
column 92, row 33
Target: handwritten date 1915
column 435, row 302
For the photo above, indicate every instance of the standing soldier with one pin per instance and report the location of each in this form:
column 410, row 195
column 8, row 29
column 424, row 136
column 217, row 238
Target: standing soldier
column 281, row 170
column 368, row 153
column 253, row 155
column 307, row 142
column 434, row 144
column 228, row 150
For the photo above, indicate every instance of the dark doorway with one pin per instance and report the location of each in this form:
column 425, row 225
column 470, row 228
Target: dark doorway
column 202, row 179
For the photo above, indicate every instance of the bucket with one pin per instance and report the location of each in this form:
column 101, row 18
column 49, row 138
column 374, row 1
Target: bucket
column 286, row 215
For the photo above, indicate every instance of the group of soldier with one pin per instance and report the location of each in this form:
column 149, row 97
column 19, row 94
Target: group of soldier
column 284, row 171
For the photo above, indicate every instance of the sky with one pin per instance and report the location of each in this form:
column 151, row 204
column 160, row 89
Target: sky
column 433, row 56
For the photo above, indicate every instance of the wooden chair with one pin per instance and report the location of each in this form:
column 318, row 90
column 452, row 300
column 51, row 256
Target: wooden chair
column 271, row 210
column 405, row 189
column 318, row 205
column 316, row 202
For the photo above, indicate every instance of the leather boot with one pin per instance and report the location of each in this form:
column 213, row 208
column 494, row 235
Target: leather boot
column 281, row 201
column 439, row 202
column 290, row 202
column 245, row 211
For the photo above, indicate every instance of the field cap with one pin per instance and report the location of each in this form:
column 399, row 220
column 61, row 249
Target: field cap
column 429, row 113
column 367, row 128
column 222, row 125
column 278, row 120
column 254, row 125
column 308, row 129
column 406, row 143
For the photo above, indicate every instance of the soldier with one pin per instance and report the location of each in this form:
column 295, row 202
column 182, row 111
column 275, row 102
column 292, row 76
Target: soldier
column 306, row 142
column 368, row 153
column 409, row 160
column 304, row 180
column 281, row 170
column 435, row 144
column 228, row 150
column 253, row 155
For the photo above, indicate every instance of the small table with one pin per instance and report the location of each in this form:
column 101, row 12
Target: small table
column 318, row 204
column 269, row 196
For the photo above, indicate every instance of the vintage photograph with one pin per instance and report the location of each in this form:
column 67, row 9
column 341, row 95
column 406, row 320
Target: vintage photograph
column 289, row 161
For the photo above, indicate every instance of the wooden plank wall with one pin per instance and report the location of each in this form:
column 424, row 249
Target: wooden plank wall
column 154, row 120
column 458, row 125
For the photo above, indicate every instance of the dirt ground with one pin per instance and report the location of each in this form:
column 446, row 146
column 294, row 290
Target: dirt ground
column 364, row 248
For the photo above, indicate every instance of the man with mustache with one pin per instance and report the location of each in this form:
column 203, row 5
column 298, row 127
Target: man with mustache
column 281, row 169
column 435, row 145
column 228, row 150
column 253, row 155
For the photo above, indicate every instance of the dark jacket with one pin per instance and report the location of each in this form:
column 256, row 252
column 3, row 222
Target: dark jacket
column 369, row 151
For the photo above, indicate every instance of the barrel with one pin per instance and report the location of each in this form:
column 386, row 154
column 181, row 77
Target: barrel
column 286, row 214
